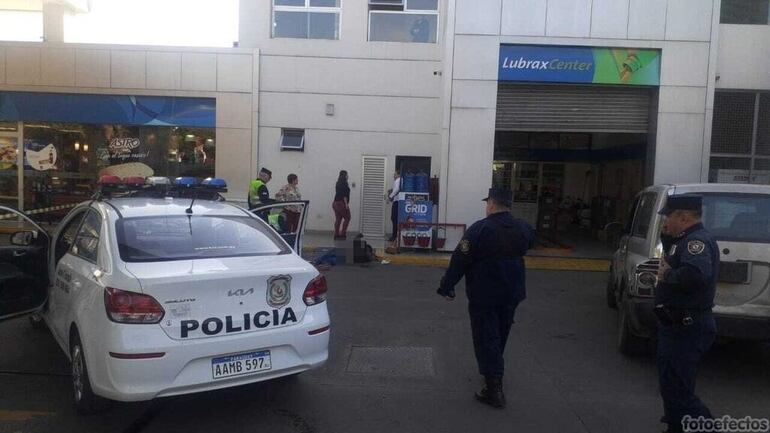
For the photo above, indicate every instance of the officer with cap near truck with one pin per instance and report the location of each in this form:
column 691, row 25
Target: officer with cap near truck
column 490, row 257
column 684, row 297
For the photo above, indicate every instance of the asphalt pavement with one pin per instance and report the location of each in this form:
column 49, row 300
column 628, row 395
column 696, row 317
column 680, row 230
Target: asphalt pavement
column 402, row 361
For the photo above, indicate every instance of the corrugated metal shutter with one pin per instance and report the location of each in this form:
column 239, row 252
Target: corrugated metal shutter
column 372, row 201
column 572, row 108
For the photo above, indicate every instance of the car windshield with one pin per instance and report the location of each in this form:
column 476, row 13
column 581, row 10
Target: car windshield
column 737, row 217
column 165, row 238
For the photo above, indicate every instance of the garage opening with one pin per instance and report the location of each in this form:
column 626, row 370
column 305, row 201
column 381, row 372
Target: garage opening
column 575, row 156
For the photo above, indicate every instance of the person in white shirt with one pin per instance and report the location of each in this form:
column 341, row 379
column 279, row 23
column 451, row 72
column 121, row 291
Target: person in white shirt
column 393, row 197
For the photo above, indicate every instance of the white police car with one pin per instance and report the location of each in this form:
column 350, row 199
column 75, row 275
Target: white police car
column 153, row 297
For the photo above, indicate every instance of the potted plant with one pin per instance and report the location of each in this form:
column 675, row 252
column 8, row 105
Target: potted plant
column 440, row 241
column 423, row 240
column 409, row 238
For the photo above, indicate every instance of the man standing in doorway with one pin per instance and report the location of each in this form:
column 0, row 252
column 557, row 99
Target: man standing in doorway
column 393, row 197
column 684, row 297
column 490, row 256
column 258, row 193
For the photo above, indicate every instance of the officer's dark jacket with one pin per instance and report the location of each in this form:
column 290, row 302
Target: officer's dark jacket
column 490, row 256
column 694, row 260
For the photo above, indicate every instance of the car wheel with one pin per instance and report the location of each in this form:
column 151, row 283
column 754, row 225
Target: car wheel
column 612, row 302
column 36, row 322
column 628, row 343
column 86, row 402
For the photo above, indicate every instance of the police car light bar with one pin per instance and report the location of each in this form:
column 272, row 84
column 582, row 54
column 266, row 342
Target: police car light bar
column 160, row 186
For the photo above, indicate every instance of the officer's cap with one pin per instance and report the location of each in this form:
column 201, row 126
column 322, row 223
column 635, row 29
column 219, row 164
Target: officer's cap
column 503, row 196
column 682, row 202
column 266, row 171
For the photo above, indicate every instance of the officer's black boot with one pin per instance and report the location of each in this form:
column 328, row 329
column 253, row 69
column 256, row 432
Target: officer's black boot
column 492, row 393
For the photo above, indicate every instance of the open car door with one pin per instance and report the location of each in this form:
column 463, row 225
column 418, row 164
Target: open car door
column 287, row 218
column 23, row 264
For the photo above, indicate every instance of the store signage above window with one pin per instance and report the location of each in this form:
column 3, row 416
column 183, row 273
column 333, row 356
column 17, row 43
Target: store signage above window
column 101, row 109
column 597, row 65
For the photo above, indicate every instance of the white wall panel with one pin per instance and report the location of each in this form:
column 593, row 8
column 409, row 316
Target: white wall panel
column 234, row 110
column 57, row 67
column 523, row 17
column 474, row 94
column 199, row 71
column 679, row 148
column 684, row 64
column 234, row 73
column 129, row 69
column 476, row 57
column 647, row 19
column 22, row 65
column 164, row 70
column 609, row 19
column 350, row 76
column 478, row 17
column 689, row 20
column 674, row 99
column 570, row 18
column 92, row 68
column 354, row 113
column 741, row 66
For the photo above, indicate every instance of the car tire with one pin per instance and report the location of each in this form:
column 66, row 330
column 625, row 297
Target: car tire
column 628, row 343
column 612, row 301
column 86, row 402
column 36, row 322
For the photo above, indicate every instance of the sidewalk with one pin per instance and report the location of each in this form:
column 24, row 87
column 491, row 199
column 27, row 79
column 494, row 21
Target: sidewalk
column 548, row 260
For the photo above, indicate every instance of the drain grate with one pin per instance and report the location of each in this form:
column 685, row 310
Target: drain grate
column 392, row 361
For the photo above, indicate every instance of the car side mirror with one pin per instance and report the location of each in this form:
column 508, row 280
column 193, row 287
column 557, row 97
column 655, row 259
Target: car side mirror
column 23, row 239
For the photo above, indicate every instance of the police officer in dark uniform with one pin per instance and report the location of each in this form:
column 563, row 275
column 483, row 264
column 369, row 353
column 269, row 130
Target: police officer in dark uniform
column 490, row 256
column 684, row 297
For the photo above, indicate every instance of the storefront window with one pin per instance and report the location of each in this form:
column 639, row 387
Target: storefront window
column 745, row 12
column 9, row 176
column 64, row 161
column 403, row 21
column 740, row 138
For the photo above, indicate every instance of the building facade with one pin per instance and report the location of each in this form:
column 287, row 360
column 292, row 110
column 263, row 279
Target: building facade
column 572, row 103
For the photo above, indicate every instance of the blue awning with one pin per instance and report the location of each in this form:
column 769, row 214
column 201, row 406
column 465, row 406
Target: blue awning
column 100, row 109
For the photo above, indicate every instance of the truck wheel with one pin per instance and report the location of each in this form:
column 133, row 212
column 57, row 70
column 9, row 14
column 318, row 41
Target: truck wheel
column 628, row 343
column 612, row 302
column 36, row 322
column 86, row 402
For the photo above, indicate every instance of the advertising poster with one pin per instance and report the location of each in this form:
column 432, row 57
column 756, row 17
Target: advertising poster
column 416, row 208
column 591, row 65
column 40, row 156
column 8, row 155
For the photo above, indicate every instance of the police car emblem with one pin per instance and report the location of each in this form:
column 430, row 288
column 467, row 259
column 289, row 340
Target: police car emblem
column 279, row 290
column 465, row 246
column 695, row 247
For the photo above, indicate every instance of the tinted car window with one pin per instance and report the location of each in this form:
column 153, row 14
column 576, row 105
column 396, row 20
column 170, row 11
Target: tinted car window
column 737, row 217
column 152, row 239
column 87, row 241
column 644, row 215
column 67, row 236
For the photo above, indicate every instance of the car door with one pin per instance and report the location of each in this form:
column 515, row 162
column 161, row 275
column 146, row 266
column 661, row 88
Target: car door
column 82, row 261
column 287, row 218
column 24, row 247
column 62, row 272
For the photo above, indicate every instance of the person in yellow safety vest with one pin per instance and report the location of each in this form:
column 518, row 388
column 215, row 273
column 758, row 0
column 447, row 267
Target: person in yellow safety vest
column 258, row 193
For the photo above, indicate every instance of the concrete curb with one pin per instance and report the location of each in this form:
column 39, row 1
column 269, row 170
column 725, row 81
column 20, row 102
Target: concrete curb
column 532, row 262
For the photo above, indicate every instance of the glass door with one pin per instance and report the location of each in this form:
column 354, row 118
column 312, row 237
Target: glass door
column 10, row 161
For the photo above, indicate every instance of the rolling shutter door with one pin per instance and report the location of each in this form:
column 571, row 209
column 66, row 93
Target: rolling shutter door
column 372, row 200
column 572, row 108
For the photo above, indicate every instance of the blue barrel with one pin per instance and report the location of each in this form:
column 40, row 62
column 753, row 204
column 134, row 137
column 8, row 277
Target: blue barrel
column 409, row 182
column 421, row 182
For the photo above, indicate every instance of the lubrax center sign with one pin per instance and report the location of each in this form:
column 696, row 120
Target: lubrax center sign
column 630, row 66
